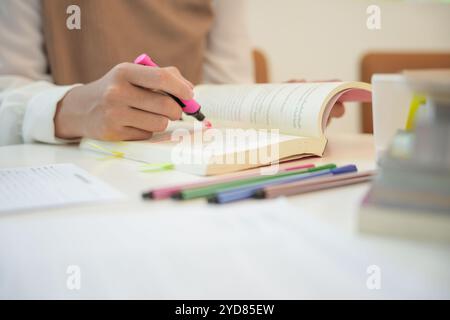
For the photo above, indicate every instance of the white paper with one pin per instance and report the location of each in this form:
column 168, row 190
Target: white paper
column 51, row 185
column 252, row 250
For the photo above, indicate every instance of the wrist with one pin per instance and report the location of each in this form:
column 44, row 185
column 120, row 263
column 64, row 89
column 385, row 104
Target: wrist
column 68, row 118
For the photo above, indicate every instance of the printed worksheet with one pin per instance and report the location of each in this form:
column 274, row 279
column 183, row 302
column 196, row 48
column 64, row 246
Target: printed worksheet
column 51, row 185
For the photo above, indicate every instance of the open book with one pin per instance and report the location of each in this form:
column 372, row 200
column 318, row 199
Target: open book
column 254, row 125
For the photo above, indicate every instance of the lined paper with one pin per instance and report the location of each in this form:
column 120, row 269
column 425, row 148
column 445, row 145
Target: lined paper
column 51, row 185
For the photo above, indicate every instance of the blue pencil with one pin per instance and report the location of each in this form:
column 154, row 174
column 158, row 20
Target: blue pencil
column 241, row 193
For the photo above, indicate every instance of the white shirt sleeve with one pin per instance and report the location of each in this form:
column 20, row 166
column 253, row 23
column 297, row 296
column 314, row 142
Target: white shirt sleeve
column 228, row 53
column 28, row 98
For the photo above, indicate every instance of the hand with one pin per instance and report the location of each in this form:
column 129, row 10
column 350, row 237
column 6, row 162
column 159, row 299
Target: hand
column 127, row 103
column 337, row 110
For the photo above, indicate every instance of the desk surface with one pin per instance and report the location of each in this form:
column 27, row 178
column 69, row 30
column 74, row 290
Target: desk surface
column 166, row 249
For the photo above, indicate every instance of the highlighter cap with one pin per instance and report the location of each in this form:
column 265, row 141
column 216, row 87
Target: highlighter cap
column 145, row 60
column 190, row 106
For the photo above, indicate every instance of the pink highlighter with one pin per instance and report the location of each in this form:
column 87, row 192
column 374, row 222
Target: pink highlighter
column 190, row 107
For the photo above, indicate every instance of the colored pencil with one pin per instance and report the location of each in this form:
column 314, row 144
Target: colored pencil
column 189, row 194
column 248, row 191
column 167, row 192
column 321, row 183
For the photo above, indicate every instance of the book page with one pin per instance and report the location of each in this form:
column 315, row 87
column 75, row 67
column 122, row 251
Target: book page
column 294, row 108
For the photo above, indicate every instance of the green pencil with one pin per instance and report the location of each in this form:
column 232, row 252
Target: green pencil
column 212, row 189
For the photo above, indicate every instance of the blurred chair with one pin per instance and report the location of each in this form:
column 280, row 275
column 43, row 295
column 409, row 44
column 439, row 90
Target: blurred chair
column 261, row 68
column 385, row 62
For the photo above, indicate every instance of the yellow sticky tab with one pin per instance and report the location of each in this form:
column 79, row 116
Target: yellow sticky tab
column 157, row 167
column 114, row 153
column 416, row 103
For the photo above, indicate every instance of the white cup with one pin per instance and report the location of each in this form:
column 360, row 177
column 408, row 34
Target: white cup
column 391, row 99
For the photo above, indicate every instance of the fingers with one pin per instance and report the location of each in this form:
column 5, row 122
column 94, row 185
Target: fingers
column 133, row 134
column 177, row 73
column 145, row 121
column 163, row 79
column 338, row 110
column 154, row 102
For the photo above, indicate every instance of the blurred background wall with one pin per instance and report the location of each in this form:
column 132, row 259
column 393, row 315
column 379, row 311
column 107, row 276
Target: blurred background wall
column 324, row 39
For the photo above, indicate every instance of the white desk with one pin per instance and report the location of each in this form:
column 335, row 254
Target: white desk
column 166, row 249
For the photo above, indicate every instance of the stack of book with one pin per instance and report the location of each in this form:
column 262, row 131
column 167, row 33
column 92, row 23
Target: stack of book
column 407, row 198
column 411, row 194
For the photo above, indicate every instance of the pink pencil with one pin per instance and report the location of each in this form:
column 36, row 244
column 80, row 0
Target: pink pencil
column 166, row 192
